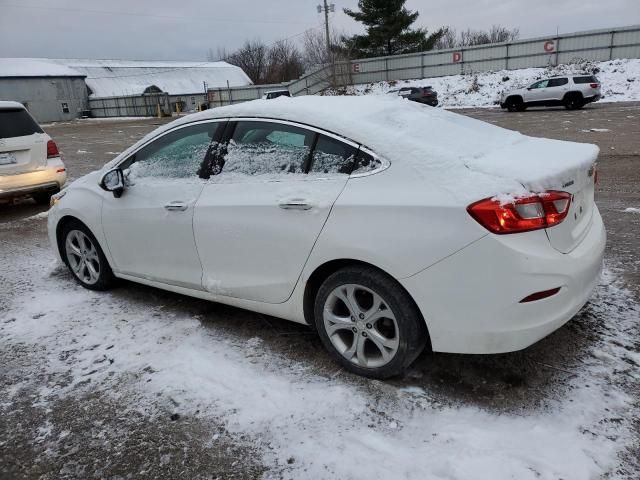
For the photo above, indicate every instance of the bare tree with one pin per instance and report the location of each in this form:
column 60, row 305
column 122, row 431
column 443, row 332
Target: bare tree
column 252, row 58
column 284, row 62
column 467, row 38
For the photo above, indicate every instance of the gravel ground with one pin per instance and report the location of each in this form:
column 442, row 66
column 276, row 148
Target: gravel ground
column 88, row 432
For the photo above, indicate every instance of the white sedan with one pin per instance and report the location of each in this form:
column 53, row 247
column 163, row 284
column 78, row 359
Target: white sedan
column 386, row 225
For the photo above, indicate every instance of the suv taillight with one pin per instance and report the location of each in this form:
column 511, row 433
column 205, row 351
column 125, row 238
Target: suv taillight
column 594, row 85
column 52, row 149
column 522, row 214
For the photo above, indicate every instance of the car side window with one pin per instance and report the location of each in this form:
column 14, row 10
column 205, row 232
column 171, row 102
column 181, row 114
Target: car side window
column 177, row 154
column 557, row 82
column 540, row 84
column 365, row 163
column 258, row 148
column 332, row 156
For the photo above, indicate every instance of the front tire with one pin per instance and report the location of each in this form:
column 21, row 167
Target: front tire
column 368, row 322
column 84, row 257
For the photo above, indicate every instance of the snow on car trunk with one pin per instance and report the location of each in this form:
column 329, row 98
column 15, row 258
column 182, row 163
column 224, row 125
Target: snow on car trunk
column 542, row 165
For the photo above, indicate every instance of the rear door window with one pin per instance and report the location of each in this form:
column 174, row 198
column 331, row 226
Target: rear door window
column 17, row 122
column 332, row 156
column 558, row 82
column 259, row 148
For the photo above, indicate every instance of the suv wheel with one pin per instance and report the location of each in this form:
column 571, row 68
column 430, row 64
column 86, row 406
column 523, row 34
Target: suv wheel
column 368, row 323
column 515, row 104
column 573, row 101
column 43, row 198
column 84, row 257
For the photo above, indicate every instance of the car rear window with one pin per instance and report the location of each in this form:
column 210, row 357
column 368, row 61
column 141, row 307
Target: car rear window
column 16, row 122
column 589, row 79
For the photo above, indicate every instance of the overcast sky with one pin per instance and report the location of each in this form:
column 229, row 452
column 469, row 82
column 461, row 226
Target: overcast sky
column 186, row 29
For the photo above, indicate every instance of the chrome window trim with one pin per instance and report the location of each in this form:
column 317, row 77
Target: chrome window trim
column 384, row 163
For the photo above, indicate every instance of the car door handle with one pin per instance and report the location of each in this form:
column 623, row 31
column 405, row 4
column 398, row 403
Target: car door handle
column 176, row 206
column 295, row 204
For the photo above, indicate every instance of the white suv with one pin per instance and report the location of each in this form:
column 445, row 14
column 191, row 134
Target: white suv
column 30, row 163
column 572, row 92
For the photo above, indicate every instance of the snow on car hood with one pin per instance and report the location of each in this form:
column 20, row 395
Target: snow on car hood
column 468, row 158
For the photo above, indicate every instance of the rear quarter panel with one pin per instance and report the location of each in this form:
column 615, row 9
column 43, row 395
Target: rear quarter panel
column 397, row 223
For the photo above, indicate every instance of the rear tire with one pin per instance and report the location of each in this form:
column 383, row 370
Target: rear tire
column 43, row 198
column 368, row 323
column 84, row 257
column 573, row 102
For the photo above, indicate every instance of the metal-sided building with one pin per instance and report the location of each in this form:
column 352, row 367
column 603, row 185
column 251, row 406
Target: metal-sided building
column 50, row 92
column 133, row 87
column 61, row 89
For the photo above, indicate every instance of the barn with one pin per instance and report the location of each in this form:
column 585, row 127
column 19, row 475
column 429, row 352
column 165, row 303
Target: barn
column 51, row 92
column 63, row 89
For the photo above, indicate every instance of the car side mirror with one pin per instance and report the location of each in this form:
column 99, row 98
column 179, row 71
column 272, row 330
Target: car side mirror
column 113, row 181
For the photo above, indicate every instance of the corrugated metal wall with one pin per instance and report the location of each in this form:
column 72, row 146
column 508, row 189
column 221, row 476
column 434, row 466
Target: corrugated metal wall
column 596, row 45
column 46, row 97
column 131, row 106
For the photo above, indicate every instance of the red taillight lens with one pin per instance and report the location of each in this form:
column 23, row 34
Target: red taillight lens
column 52, row 149
column 594, row 85
column 523, row 213
column 427, row 94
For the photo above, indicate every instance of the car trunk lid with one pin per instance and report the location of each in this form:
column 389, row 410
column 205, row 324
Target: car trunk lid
column 542, row 165
column 23, row 144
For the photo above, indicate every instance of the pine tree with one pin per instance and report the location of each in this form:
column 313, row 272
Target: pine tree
column 388, row 32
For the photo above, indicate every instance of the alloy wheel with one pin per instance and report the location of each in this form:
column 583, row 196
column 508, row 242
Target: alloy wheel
column 82, row 256
column 361, row 326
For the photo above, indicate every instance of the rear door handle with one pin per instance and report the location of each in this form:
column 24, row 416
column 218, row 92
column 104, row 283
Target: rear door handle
column 295, row 204
column 176, row 206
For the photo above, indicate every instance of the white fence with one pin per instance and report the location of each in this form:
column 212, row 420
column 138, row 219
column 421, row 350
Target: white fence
column 595, row 45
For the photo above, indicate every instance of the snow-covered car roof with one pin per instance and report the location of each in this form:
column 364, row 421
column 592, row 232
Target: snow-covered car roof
column 455, row 151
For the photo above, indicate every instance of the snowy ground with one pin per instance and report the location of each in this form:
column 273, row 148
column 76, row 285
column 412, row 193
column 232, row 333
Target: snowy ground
column 140, row 383
column 620, row 83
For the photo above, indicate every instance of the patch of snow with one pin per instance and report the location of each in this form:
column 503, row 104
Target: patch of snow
column 597, row 130
column 631, row 210
column 332, row 427
column 483, row 89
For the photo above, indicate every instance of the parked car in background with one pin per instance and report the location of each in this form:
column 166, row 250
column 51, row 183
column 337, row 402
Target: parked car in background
column 341, row 213
column 30, row 163
column 426, row 95
column 572, row 92
column 275, row 94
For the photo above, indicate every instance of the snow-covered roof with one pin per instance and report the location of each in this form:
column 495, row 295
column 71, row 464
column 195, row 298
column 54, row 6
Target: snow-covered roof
column 7, row 104
column 111, row 78
column 467, row 157
column 34, row 67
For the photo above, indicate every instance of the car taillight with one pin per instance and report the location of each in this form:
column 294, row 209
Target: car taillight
column 427, row 94
column 522, row 214
column 52, row 149
column 594, row 85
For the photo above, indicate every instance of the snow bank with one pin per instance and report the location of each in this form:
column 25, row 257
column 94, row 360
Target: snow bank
column 620, row 83
column 331, row 426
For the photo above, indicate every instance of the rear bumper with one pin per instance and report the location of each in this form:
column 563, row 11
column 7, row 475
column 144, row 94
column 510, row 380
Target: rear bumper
column 471, row 300
column 51, row 178
column 595, row 98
